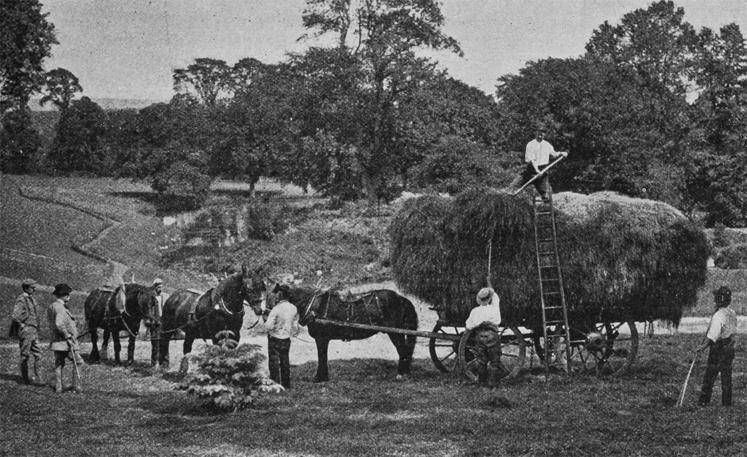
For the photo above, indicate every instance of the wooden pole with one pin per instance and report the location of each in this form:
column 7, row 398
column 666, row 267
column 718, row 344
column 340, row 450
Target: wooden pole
column 687, row 379
column 379, row 328
column 535, row 177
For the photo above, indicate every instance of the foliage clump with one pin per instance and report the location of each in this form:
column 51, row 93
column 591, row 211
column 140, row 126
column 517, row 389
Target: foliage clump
column 230, row 377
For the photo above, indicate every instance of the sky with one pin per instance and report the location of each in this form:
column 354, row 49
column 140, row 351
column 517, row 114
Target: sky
column 129, row 48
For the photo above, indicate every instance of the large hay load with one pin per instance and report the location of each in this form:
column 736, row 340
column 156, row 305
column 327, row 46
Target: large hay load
column 623, row 259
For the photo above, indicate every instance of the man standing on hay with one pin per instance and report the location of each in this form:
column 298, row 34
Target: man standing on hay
column 720, row 341
column 484, row 320
column 537, row 155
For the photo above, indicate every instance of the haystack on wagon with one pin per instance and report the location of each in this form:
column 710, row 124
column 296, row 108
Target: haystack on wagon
column 623, row 260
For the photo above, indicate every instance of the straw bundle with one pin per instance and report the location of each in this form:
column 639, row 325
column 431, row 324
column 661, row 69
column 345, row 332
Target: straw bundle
column 622, row 258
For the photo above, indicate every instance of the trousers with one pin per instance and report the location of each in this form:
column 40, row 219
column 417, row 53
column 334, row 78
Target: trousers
column 279, row 360
column 720, row 359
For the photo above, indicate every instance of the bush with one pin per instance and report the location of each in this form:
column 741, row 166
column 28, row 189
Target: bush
column 456, row 164
column 230, row 378
column 183, row 180
column 19, row 142
column 732, row 257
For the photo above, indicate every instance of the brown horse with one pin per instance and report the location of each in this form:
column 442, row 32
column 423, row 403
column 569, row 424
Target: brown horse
column 204, row 316
column 116, row 310
column 382, row 307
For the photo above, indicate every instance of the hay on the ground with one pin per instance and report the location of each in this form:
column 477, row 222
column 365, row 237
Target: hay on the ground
column 622, row 258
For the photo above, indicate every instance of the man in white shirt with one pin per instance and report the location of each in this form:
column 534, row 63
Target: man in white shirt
column 281, row 324
column 720, row 341
column 537, row 155
column 484, row 320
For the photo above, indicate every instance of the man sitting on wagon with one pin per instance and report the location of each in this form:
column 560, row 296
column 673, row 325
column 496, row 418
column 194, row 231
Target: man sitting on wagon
column 484, row 320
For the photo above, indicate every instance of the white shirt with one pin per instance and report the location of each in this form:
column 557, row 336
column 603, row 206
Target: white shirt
column 282, row 322
column 539, row 152
column 723, row 324
column 160, row 300
column 485, row 313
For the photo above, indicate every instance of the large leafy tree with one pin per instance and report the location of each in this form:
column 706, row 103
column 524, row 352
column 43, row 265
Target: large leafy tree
column 386, row 35
column 26, row 39
column 61, row 86
column 79, row 144
column 657, row 42
column 206, row 78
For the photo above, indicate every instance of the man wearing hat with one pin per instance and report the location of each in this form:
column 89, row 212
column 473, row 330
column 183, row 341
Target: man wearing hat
column 484, row 320
column 26, row 318
column 537, row 155
column 64, row 336
column 155, row 328
column 720, row 341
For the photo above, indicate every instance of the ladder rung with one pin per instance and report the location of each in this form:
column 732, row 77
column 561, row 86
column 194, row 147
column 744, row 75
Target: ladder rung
column 553, row 307
column 554, row 322
column 551, row 293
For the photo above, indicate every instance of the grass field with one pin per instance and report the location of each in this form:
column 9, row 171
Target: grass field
column 364, row 411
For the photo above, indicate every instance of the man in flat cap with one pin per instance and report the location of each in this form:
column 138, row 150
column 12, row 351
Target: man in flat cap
column 27, row 320
column 484, row 320
column 720, row 342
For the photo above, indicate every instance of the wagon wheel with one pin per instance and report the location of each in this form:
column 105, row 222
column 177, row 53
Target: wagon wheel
column 444, row 352
column 608, row 350
column 513, row 352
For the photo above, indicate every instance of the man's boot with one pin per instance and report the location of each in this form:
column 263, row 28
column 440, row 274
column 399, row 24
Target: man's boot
column 24, row 366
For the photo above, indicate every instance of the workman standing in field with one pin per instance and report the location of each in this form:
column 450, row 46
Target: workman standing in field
column 26, row 321
column 484, row 320
column 720, row 341
column 64, row 337
column 537, row 155
column 281, row 324
column 155, row 325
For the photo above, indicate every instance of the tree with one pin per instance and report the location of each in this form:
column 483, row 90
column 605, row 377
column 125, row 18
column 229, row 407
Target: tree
column 26, row 39
column 79, row 145
column 388, row 32
column 206, row 77
column 61, row 86
column 656, row 42
column 19, row 142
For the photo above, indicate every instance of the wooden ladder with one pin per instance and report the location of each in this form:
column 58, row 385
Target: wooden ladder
column 555, row 327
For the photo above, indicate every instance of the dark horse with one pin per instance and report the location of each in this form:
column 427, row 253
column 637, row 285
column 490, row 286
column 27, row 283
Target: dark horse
column 204, row 316
column 384, row 308
column 115, row 310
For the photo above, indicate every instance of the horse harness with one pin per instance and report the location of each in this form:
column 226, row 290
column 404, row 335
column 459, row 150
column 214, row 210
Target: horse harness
column 119, row 316
column 354, row 303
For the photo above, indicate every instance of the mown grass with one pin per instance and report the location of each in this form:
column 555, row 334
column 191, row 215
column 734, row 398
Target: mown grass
column 365, row 411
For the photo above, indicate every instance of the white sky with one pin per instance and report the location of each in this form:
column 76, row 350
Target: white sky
column 128, row 48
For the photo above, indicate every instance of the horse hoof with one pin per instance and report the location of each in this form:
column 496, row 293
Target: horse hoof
column 400, row 377
column 321, row 379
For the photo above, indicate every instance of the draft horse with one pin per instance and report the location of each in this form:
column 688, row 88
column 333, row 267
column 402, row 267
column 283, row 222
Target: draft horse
column 215, row 311
column 381, row 307
column 115, row 310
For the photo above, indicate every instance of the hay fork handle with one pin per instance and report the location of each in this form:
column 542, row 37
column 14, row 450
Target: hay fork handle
column 687, row 379
column 538, row 175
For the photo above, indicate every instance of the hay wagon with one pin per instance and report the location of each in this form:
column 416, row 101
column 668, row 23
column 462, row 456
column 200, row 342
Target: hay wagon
column 623, row 260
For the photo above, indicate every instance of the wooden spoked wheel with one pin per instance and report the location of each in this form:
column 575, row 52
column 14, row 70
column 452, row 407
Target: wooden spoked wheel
column 607, row 350
column 444, row 352
column 513, row 352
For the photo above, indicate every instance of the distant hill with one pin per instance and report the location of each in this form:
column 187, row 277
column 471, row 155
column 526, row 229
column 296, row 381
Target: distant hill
column 105, row 103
